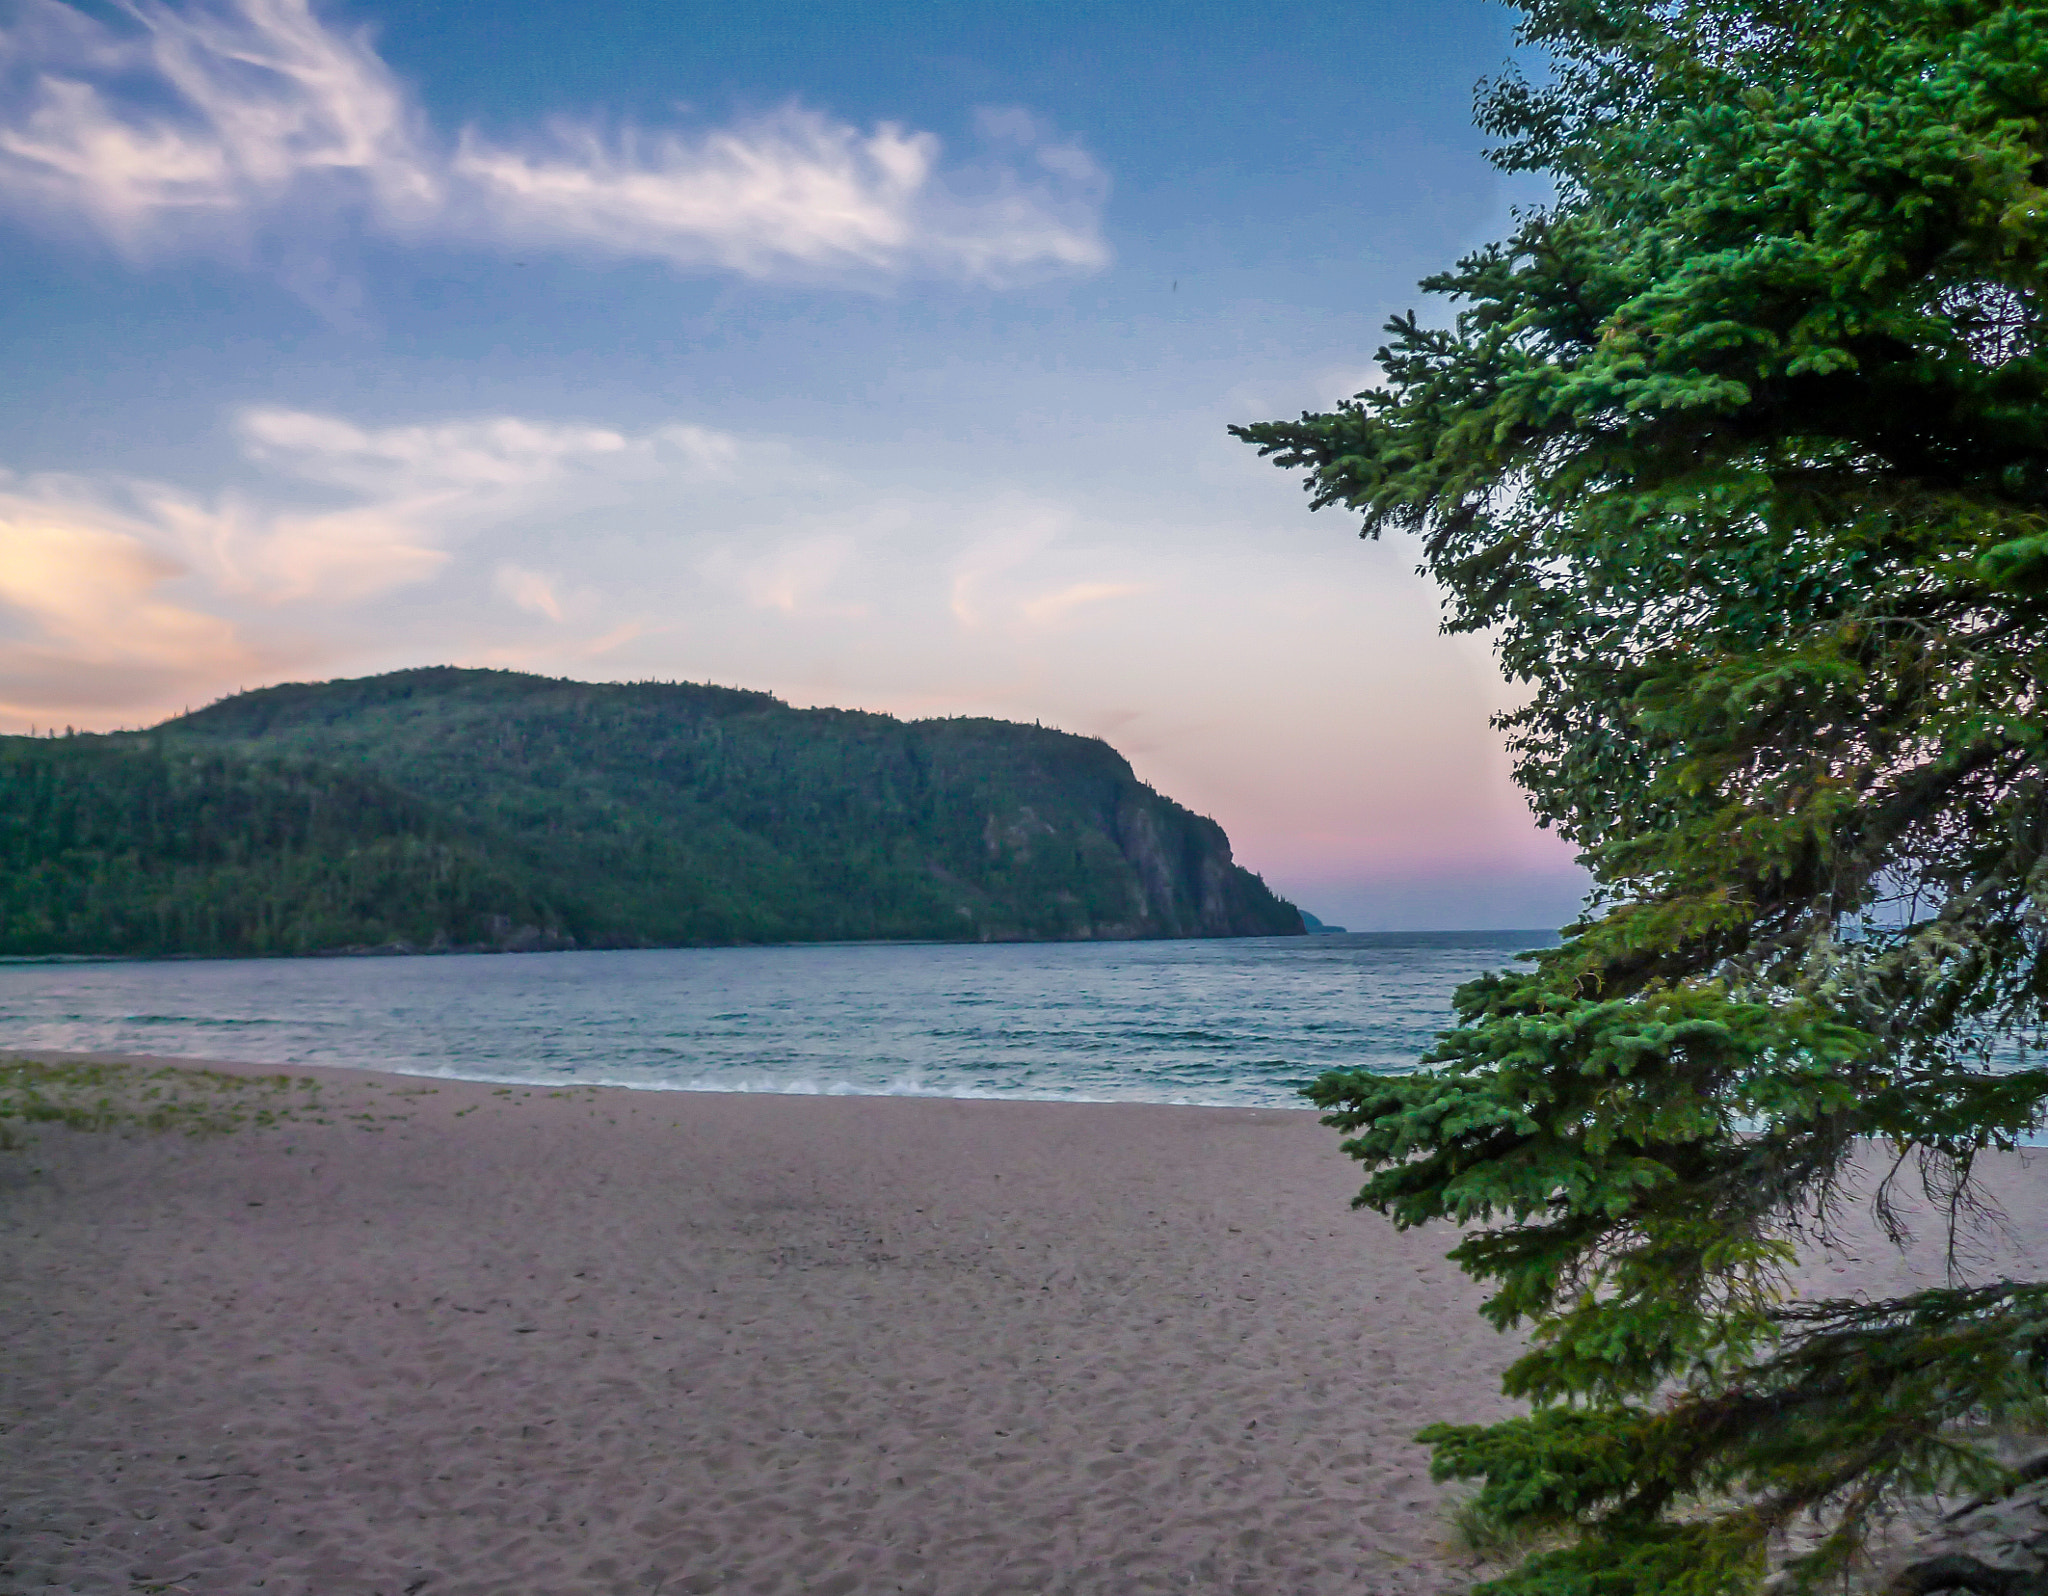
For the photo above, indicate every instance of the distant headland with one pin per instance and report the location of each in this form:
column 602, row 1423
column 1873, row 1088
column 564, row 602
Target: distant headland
column 446, row 809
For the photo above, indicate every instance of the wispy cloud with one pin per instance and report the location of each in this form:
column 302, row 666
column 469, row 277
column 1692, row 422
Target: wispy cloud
column 206, row 125
column 197, row 118
column 1000, row 580
column 515, row 539
column 990, row 562
column 132, row 584
column 410, row 490
column 469, row 458
column 796, row 578
column 533, row 591
column 94, row 623
column 1051, row 609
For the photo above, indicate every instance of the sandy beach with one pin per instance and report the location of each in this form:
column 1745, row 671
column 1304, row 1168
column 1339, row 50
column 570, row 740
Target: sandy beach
column 464, row 1338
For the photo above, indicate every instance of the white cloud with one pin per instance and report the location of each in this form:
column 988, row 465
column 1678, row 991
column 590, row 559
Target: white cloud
column 1001, row 580
column 790, row 189
column 97, row 588
column 530, row 590
column 84, row 616
column 201, row 124
column 1051, row 609
column 406, row 493
column 114, row 590
column 486, row 455
column 335, row 556
column 417, row 489
column 795, row 578
column 200, row 117
column 987, row 562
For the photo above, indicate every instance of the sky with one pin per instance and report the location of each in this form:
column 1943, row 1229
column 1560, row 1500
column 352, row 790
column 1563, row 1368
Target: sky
column 877, row 355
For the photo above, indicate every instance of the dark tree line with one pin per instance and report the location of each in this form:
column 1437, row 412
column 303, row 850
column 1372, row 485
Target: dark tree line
column 447, row 808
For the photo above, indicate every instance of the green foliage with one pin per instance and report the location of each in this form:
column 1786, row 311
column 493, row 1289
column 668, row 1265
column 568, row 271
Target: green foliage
column 446, row 808
column 132, row 845
column 1738, row 450
column 130, row 1097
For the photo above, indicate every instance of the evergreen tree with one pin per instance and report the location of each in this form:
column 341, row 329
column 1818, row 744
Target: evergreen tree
column 1739, row 450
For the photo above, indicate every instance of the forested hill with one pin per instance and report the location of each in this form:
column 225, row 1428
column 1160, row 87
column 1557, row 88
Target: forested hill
column 450, row 808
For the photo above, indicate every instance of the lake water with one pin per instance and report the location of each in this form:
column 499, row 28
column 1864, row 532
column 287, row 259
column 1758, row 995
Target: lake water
column 1243, row 1021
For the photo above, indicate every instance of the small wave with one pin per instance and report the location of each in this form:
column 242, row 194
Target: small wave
column 200, row 1022
column 1198, row 1023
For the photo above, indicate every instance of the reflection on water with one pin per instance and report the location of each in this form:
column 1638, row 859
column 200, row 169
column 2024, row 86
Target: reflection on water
column 1239, row 1022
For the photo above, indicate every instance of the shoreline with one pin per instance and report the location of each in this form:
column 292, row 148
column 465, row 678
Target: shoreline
column 342, row 1074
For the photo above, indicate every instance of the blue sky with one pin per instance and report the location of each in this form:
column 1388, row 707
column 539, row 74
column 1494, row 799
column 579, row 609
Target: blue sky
column 876, row 355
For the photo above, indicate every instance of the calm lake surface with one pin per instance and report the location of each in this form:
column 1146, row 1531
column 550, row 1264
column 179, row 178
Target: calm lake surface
column 1243, row 1021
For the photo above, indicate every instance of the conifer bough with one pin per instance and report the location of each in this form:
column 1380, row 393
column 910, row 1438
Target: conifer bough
column 1738, row 449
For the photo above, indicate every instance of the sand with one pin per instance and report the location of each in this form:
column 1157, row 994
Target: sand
column 491, row 1340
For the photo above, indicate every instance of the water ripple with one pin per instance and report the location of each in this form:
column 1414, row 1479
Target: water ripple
column 1220, row 1022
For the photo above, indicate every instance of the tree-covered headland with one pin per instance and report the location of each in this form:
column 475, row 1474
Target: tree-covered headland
column 442, row 808
column 1738, row 450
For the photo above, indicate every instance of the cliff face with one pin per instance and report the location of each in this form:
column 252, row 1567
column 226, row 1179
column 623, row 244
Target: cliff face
column 1188, row 885
column 1177, row 878
column 448, row 808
